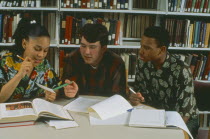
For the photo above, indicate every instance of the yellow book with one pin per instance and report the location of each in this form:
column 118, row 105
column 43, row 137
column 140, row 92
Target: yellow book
column 191, row 36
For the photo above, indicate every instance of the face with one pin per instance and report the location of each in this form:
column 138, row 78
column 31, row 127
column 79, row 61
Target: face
column 92, row 53
column 36, row 48
column 149, row 50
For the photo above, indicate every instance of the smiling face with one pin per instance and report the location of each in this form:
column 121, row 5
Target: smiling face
column 36, row 48
column 92, row 53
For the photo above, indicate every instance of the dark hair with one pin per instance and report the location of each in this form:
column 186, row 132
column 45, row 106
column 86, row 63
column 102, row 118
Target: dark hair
column 95, row 32
column 27, row 27
column 160, row 34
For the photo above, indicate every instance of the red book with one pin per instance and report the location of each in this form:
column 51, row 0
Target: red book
column 84, row 4
column 207, row 68
column 16, row 124
column 116, row 42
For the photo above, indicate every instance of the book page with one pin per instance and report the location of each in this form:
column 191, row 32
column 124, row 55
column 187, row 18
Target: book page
column 147, row 118
column 48, row 109
column 16, row 109
column 110, row 107
column 60, row 124
column 173, row 118
column 81, row 104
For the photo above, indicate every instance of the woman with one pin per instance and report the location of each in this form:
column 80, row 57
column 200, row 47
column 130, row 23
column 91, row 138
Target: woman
column 18, row 76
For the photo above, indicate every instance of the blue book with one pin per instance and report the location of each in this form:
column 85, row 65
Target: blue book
column 122, row 4
column 209, row 76
column 202, row 68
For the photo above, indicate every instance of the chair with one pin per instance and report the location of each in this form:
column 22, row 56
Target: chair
column 202, row 96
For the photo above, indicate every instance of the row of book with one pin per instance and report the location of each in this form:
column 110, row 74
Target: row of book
column 8, row 24
column 71, row 26
column 186, row 33
column 95, row 4
column 145, row 4
column 194, row 6
column 27, row 3
column 199, row 65
column 21, row 3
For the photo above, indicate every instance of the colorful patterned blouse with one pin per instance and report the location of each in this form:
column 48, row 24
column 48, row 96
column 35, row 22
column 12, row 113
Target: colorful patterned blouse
column 170, row 88
column 27, row 88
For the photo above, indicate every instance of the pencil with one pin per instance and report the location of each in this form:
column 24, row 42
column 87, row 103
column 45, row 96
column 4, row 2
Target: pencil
column 61, row 86
column 132, row 90
column 20, row 57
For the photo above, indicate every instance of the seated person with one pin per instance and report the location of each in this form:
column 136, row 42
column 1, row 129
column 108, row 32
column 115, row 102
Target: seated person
column 96, row 70
column 163, row 81
column 18, row 76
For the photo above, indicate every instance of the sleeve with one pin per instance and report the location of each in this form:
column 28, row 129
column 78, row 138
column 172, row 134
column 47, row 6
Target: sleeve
column 2, row 78
column 186, row 103
column 119, row 81
column 67, row 70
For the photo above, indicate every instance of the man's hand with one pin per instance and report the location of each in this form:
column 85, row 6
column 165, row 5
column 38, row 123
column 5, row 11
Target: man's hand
column 136, row 99
column 71, row 89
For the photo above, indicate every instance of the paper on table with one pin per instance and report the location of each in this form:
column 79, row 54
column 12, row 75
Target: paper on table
column 110, row 107
column 121, row 119
column 81, row 104
column 60, row 124
column 45, row 88
column 173, row 118
column 147, row 118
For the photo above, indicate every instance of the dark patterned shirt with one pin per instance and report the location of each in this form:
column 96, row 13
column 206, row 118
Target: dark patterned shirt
column 27, row 88
column 106, row 80
column 170, row 88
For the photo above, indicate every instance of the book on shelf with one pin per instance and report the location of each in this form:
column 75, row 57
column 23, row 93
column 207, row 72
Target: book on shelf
column 31, row 110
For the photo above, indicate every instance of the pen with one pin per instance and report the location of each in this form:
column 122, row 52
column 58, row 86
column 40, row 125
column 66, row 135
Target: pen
column 20, row 57
column 132, row 90
column 59, row 87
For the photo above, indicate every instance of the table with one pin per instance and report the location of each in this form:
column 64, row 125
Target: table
column 86, row 131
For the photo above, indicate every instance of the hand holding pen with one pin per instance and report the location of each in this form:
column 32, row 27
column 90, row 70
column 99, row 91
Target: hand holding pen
column 26, row 66
column 71, row 89
column 136, row 98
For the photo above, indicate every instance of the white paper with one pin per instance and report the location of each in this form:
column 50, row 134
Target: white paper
column 81, row 104
column 45, row 88
column 147, row 118
column 110, row 107
column 60, row 124
column 173, row 118
column 121, row 119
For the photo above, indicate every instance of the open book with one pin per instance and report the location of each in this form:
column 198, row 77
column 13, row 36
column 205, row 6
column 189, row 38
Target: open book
column 31, row 111
column 157, row 118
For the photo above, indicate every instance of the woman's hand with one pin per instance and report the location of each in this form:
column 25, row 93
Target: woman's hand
column 50, row 96
column 26, row 67
column 71, row 89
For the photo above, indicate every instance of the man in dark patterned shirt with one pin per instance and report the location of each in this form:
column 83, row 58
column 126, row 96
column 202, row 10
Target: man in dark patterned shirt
column 96, row 70
column 162, row 81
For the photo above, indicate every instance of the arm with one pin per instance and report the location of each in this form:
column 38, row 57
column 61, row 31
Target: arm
column 119, row 81
column 186, row 104
column 8, row 89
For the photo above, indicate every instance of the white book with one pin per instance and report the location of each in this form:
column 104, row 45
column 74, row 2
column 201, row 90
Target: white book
column 157, row 119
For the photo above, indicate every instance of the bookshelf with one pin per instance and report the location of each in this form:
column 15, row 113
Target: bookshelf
column 162, row 10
